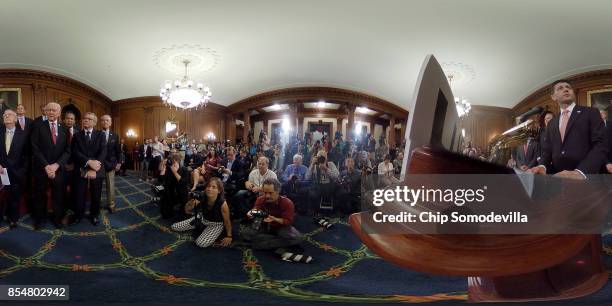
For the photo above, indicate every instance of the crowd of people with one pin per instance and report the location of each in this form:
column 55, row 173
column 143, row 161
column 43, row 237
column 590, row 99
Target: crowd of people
column 52, row 155
column 208, row 188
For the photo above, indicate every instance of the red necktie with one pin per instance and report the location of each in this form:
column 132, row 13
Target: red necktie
column 53, row 133
column 70, row 137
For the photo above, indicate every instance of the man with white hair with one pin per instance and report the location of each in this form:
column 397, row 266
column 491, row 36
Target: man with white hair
column 50, row 151
column 294, row 182
column 14, row 162
column 112, row 162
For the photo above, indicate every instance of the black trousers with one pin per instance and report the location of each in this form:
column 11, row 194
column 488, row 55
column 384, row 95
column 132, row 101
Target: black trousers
column 10, row 206
column 95, row 190
column 58, row 187
column 72, row 179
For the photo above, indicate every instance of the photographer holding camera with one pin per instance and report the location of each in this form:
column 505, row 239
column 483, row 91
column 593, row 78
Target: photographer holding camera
column 231, row 170
column 211, row 215
column 244, row 198
column 294, row 181
column 175, row 179
column 350, row 193
column 273, row 224
column 324, row 176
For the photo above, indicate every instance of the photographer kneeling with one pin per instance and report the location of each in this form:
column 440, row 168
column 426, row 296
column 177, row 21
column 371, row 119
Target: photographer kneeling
column 272, row 227
column 211, row 215
column 175, row 179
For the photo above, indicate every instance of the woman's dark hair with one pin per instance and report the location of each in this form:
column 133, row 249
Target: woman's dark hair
column 210, row 154
column 219, row 184
column 542, row 117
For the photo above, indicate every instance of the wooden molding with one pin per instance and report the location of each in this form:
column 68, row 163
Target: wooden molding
column 307, row 94
column 50, row 77
column 579, row 82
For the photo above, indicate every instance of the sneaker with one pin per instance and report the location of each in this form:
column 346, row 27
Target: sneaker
column 323, row 222
column 293, row 257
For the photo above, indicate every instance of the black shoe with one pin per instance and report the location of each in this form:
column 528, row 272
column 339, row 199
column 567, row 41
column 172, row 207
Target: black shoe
column 94, row 220
column 12, row 224
column 111, row 210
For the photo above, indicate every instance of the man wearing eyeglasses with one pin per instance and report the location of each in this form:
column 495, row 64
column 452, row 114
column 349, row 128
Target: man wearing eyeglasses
column 88, row 153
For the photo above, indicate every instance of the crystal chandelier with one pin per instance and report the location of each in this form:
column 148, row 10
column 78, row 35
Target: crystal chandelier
column 463, row 107
column 183, row 94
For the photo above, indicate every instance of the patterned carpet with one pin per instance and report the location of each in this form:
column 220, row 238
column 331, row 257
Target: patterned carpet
column 133, row 257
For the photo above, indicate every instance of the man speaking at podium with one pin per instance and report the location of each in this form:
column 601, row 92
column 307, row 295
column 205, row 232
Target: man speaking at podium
column 575, row 140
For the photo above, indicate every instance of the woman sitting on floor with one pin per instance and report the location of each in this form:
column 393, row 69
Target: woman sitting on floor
column 211, row 215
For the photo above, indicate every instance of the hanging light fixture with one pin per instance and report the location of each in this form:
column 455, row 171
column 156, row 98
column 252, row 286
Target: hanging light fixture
column 184, row 93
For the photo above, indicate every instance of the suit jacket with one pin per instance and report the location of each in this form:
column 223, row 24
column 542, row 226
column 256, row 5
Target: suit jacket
column 17, row 159
column 82, row 151
column 531, row 158
column 44, row 151
column 584, row 146
column 38, row 120
column 28, row 124
column 3, row 108
column 237, row 170
column 113, row 151
column 609, row 139
column 124, row 152
column 75, row 131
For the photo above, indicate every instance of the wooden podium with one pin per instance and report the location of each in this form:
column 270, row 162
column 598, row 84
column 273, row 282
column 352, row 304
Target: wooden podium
column 499, row 268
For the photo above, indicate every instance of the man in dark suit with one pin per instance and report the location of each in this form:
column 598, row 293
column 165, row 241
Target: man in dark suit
column 14, row 160
column 89, row 152
column 575, row 143
column 112, row 162
column 3, row 108
column 232, row 172
column 604, row 118
column 71, row 175
column 124, row 157
column 24, row 123
column 526, row 156
column 42, row 118
column 50, row 149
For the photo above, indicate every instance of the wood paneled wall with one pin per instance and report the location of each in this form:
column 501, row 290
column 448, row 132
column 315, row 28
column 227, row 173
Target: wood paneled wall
column 147, row 117
column 484, row 123
column 39, row 88
column 582, row 83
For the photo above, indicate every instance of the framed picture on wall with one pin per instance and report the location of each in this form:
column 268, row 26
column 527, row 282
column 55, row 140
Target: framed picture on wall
column 599, row 97
column 11, row 97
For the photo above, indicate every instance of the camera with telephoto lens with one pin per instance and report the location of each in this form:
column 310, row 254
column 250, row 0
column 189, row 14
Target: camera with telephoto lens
column 199, row 195
column 258, row 217
column 321, row 160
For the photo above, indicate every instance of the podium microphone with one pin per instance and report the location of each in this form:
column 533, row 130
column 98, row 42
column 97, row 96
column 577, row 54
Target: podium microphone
column 533, row 111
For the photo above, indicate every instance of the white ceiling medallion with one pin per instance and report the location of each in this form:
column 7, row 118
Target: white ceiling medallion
column 200, row 59
column 458, row 74
column 186, row 93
